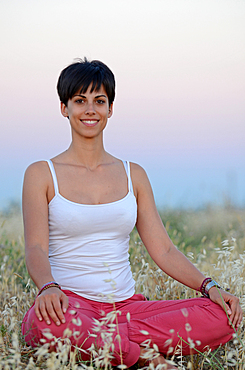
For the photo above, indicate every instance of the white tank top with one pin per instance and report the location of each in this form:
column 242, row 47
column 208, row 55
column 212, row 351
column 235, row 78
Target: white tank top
column 88, row 245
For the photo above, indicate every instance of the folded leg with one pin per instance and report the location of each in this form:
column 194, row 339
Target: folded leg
column 79, row 326
column 192, row 323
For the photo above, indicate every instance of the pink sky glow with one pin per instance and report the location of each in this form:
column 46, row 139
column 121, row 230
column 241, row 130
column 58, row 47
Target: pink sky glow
column 180, row 75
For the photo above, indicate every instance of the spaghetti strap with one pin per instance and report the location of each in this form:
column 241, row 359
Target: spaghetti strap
column 127, row 169
column 130, row 187
column 52, row 170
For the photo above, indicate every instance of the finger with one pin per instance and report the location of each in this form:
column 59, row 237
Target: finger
column 237, row 317
column 234, row 316
column 37, row 311
column 64, row 302
column 58, row 310
column 225, row 306
column 44, row 312
column 230, row 311
column 50, row 307
column 236, row 312
column 235, row 320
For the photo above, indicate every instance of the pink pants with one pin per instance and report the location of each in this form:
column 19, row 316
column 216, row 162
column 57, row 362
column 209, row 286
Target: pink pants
column 198, row 321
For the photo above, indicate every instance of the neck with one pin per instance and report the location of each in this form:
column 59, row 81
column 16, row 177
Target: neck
column 89, row 153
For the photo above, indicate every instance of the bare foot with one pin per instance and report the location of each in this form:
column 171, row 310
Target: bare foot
column 161, row 360
column 144, row 361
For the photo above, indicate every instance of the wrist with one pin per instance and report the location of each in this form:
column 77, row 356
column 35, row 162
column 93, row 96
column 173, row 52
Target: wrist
column 210, row 285
column 50, row 284
column 211, row 290
column 207, row 284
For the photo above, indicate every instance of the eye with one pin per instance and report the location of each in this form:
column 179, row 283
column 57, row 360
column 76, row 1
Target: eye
column 100, row 101
column 79, row 101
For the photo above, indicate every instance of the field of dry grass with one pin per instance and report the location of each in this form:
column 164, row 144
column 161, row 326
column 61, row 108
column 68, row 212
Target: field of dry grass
column 213, row 239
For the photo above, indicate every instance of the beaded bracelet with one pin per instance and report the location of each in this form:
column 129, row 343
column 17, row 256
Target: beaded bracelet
column 204, row 284
column 207, row 284
column 211, row 284
column 51, row 284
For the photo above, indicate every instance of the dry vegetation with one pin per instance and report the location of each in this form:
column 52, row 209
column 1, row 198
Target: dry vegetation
column 213, row 239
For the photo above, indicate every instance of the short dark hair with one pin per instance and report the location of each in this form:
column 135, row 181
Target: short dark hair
column 79, row 75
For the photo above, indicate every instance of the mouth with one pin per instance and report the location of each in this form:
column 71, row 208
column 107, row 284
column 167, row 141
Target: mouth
column 89, row 122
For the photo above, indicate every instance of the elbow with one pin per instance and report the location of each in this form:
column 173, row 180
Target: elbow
column 170, row 248
column 34, row 253
column 162, row 252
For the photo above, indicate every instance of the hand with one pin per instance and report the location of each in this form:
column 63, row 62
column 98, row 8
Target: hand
column 51, row 303
column 229, row 303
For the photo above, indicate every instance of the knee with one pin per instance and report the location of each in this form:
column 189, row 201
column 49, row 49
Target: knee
column 32, row 328
column 218, row 315
column 35, row 331
column 77, row 327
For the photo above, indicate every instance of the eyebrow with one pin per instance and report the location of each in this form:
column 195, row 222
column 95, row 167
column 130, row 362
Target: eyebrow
column 97, row 96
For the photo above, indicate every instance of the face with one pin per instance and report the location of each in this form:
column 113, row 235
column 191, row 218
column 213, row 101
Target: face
column 88, row 112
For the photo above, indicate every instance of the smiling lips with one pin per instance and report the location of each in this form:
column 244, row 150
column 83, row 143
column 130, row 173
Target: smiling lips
column 89, row 122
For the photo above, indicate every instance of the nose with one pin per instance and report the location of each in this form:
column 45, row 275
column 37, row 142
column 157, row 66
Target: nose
column 90, row 108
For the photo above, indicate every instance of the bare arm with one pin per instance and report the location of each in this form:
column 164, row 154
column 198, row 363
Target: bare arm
column 157, row 241
column 164, row 253
column 35, row 216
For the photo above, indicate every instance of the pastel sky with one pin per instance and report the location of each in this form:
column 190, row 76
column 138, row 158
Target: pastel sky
column 180, row 74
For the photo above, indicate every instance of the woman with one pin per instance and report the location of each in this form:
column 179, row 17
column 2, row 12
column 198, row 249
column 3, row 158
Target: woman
column 79, row 209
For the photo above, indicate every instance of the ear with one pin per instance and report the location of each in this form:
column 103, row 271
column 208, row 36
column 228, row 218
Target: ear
column 110, row 110
column 63, row 109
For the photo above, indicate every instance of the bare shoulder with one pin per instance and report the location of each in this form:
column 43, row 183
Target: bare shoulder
column 37, row 167
column 141, row 183
column 35, row 205
column 37, row 173
column 138, row 173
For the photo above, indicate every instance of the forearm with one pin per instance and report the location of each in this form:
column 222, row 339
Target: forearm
column 38, row 266
column 176, row 264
